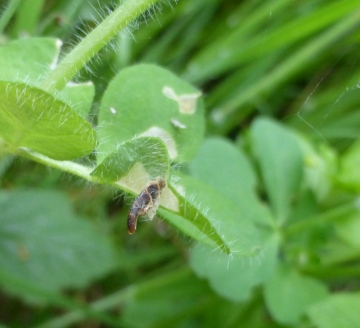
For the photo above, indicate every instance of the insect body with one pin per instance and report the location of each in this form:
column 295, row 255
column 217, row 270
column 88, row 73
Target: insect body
column 146, row 203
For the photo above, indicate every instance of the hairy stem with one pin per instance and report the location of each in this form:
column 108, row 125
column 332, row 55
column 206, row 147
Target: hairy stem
column 66, row 166
column 94, row 42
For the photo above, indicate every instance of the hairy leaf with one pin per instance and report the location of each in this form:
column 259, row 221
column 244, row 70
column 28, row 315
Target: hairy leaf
column 79, row 96
column 134, row 163
column 146, row 100
column 29, row 59
column 232, row 276
column 216, row 217
column 32, row 118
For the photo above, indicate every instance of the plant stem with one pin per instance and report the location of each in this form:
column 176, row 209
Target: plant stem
column 66, row 166
column 94, row 42
column 46, row 296
column 117, row 299
column 334, row 214
column 332, row 272
column 8, row 13
column 104, row 304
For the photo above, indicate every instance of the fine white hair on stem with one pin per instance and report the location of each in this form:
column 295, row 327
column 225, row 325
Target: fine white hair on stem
column 100, row 12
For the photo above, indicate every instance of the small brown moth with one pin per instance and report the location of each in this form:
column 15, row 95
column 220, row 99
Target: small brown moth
column 146, row 203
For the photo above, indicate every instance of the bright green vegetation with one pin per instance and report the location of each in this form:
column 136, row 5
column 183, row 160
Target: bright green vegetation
column 248, row 109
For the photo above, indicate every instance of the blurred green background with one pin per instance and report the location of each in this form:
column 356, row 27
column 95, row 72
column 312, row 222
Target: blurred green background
column 294, row 61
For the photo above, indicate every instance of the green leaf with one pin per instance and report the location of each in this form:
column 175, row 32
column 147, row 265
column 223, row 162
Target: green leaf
column 193, row 228
column 79, row 96
column 28, row 59
column 32, row 118
column 234, row 277
column 225, row 167
column 320, row 165
column 44, row 243
column 349, row 173
column 134, row 163
column 289, row 294
column 337, row 311
column 281, row 162
column 146, row 100
column 140, row 160
column 214, row 215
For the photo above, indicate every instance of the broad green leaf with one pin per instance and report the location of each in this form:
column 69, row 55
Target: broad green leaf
column 29, row 59
column 43, row 242
column 227, row 169
column 215, row 216
column 32, row 118
column 143, row 159
column 223, row 166
column 337, row 311
column 193, row 229
column 146, row 100
column 134, row 163
column 281, row 162
column 79, row 96
column 234, row 277
column 349, row 173
column 288, row 295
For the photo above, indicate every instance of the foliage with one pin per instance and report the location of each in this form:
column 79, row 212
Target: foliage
column 253, row 124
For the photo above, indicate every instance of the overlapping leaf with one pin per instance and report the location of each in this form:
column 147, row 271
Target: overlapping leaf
column 32, row 59
column 134, row 163
column 32, row 118
column 227, row 169
column 146, row 100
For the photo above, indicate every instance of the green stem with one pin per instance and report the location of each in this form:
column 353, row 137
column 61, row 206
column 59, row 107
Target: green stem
column 8, row 13
column 66, row 166
column 117, row 299
column 94, row 42
column 69, row 167
column 45, row 296
column 332, row 272
column 99, row 306
column 306, row 224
